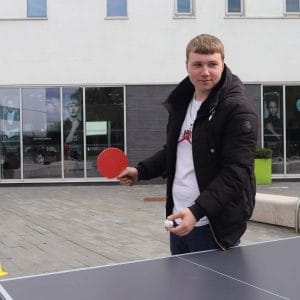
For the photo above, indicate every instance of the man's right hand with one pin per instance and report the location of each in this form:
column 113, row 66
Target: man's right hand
column 128, row 176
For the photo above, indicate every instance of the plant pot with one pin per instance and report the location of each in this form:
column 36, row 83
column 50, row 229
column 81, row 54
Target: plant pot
column 263, row 170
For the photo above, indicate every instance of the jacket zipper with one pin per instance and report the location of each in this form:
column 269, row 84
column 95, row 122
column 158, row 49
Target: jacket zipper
column 211, row 114
column 215, row 238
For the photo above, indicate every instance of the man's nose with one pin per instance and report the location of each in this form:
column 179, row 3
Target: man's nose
column 205, row 70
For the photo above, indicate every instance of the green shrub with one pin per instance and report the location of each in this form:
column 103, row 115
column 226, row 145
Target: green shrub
column 263, row 153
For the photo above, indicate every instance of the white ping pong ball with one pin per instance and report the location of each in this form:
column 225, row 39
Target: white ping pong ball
column 169, row 223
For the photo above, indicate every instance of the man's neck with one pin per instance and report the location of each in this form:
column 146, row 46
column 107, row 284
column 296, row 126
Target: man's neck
column 201, row 95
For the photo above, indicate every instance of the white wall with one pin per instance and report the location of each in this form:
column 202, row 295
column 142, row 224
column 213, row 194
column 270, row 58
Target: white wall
column 264, row 8
column 10, row 9
column 77, row 45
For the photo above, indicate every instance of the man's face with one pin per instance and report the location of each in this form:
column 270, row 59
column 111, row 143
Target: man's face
column 205, row 71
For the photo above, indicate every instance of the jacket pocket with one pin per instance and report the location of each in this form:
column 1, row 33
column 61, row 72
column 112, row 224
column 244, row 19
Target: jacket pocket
column 235, row 211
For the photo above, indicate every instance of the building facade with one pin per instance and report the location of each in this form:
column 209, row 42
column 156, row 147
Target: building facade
column 77, row 79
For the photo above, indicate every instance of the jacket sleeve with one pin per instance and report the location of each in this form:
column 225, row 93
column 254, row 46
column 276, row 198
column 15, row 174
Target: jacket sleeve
column 235, row 166
column 153, row 166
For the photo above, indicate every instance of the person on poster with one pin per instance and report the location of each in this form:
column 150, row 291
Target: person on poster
column 208, row 158
column 273, row 124
column 73, row 129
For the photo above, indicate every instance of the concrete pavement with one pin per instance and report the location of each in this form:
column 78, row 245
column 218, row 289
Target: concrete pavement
column 59, row 227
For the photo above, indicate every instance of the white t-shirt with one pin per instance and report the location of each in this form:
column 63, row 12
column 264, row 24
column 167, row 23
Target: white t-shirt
column 185, row 187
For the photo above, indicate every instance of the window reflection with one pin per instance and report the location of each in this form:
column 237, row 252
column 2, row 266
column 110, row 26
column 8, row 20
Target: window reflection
column 41, row 133
column 234, row 6
column 116, row 8
column 9, row 134
column 292, row 6
column 36, row 8
column 73, row 133
column 184, row 6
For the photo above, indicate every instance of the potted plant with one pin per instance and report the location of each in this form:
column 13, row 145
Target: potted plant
column 263, row 165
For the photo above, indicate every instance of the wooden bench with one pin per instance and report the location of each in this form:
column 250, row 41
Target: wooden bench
column 277, row 210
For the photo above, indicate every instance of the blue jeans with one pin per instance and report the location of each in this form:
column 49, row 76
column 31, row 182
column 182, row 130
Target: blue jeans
column 199, row 239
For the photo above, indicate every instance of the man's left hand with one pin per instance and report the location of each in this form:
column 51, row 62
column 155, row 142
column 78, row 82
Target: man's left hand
column 187, row 224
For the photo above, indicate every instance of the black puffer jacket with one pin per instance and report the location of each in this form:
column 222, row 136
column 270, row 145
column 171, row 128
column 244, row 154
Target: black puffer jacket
column 224, row 142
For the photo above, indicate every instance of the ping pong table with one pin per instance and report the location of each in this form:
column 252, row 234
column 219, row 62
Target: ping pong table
column 269, row 270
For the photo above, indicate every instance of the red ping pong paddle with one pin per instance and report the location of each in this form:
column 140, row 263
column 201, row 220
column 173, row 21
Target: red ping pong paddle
column 111, row 162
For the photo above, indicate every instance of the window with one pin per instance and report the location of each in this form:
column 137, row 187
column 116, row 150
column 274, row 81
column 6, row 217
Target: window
column 116, row 8
column 183, row 7
column 292, row 6
column 9, row 134
column 41, row 112
column 73, row 132
column 36, row 8
column 273, row 119
column 292, row 94
column 281, row 127
column 62, row 129
column 234, row 7
column 104, row 123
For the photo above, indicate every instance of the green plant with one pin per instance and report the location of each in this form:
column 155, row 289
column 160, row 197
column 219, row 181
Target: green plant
column 263, row 153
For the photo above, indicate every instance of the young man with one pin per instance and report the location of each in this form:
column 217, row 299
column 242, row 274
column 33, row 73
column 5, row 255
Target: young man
column 209, row 154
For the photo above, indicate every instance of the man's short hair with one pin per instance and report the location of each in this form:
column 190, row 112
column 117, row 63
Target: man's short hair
column 205, row 44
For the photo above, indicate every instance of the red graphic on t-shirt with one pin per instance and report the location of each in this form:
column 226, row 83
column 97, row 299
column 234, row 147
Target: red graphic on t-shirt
column 187, row 136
